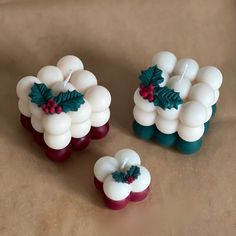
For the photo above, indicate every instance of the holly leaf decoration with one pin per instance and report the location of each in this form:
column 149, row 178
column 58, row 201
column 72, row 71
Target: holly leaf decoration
column 70, row 100
column 153, row 75
column 40, row 94
column 134, row 171
column 118, row 176
column 166, row 98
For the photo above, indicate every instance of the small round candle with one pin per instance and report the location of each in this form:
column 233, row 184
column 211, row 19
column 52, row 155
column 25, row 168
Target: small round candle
column 121, row 178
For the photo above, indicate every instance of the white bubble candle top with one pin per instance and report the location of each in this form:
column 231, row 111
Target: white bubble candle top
column 84, row 103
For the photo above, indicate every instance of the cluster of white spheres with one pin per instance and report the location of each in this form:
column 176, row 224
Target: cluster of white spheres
column 123, row 160
column 198, row 88
column 67, row 75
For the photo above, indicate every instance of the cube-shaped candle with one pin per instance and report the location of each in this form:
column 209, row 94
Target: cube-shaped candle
column 121, row 178
column 175, row 101
column 64, row 107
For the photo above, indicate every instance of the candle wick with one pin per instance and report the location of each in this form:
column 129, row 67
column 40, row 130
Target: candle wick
column 68, row 78
column 123, row 164
column 185, row 70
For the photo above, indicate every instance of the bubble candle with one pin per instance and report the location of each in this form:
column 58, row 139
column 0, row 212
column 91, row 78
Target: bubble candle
column 64, row 107
column 175, row 102
column 121, row 178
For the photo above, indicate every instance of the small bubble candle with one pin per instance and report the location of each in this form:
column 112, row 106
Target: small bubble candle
column 64, row 107
column 121, row 178
column 175, row 101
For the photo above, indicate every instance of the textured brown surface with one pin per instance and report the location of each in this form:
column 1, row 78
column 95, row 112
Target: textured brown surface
column 115, row 39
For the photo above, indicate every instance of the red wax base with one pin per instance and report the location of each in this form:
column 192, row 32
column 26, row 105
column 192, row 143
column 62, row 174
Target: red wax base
column 38, row 137
column 26, row 122
column 99, row 132
column 80, row 143
column 77, row 144
column 117, row 205
column 58, row 155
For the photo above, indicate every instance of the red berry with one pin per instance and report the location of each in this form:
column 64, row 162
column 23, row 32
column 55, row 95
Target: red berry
column 46, row 110
column 51, row 110
column 58, row 109
column 43, row 106
column 150, row 98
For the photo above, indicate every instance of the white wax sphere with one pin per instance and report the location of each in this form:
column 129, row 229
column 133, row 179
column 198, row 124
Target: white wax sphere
column 143, row 180
column 114, row 190
column 37, row 124
column 82, row 114
column 179, row 84
column 104, row 167
column 35, row 110
column 166, row 126
column 165, row 76
column 24, row 86
column 210, row 75
column 142, row 103
column 62, row 87
column 202, row 93
column 69, row 64
column 190, row 134
column 56, row 124
column 169, row 114
column 127, row 157
column 144, row 118
column 165, row 61
column 209, row 113
column 50, row 75
column 83, row 80
column 99, row 98
column 191, row 69
column 23, row 106
column 80, row 130
column 100, row 118
column 57, row 141
column 193, row 114
column 217, row 94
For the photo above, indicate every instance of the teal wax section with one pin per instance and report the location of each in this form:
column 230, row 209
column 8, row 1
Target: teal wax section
column 188, row 147
column 166, row 140
column 213, row 110
column 206, row 126
column 143, row 132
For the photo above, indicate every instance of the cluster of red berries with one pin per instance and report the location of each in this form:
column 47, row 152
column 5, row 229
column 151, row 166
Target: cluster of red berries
column 147, row 92
column 51, row 107
column 129, row 180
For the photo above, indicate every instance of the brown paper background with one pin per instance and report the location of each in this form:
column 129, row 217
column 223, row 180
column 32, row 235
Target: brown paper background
column 191, row 195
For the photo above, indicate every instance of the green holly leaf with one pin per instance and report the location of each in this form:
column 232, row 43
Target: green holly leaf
column 40, row 94
column 70, row 100
column 134, row 171
column 166, row 98
column 118, row 176
column 152, row 75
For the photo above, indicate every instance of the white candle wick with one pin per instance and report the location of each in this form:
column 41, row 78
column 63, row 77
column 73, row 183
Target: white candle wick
column 185, row 70
column 68, row 78
column 123, row 164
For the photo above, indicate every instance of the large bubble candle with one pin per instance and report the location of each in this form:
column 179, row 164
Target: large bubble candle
column 175, row 101
column 64, row 107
